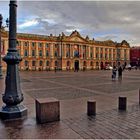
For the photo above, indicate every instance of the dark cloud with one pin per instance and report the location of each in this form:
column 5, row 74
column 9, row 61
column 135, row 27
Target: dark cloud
column 112, row 20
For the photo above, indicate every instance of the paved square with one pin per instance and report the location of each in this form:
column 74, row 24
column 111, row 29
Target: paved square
column 73, row 89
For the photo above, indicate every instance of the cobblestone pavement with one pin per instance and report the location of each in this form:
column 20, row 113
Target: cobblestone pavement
column 73, row 90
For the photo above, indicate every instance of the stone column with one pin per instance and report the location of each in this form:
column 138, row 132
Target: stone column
column 94, row 52
column 122, row 54
column 60, row 53
column 64, row 50
column 89, row 51
column 29, row 49
column 37, row 50
column 81, row 52
column 99, row 53
column 112, row 54
column 44, row 51
column 51, row 51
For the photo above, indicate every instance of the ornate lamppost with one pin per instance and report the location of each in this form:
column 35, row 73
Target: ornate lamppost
column 7, row 21
column 13, row 95
column 0, row 45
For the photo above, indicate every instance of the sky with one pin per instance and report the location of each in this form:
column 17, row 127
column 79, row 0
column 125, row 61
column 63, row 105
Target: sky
column 101, row 20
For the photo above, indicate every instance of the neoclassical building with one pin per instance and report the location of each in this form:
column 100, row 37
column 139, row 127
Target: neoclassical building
column 40, row 52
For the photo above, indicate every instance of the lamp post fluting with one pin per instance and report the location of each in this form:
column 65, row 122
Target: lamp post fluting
column 0, row 47
column 13, row 95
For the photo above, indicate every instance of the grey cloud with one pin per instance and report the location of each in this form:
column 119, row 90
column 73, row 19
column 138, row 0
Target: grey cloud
column 91, row 17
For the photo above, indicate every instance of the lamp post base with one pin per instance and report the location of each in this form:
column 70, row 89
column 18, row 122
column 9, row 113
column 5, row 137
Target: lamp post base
column 13, row 112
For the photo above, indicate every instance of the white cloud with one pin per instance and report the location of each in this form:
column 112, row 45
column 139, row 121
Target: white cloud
column 28, row 24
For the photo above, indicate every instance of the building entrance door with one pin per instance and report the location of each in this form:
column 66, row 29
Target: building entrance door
column 76, row 65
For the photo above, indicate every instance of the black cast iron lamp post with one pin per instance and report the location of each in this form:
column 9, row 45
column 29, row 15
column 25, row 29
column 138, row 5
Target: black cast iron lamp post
column 13, row 95
column 0, row 46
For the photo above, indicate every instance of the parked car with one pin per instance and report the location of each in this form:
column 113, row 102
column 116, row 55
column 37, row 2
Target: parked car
column 128, row 67
column 134, row 67
column 108, row 68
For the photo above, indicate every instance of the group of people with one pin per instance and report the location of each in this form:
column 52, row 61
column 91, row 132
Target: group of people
column 114, row 72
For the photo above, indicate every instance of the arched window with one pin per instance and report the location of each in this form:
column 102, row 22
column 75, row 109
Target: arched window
column 33, row 63
column 33, row 53
column 47, row 63
column 25, row 53
column 85, row 63
column 40, row 63
column 26, row 63
column 40, row 53
column 67, row 54
column 47, row 53
column 97, row 64
column 56, row 63
column 68, row 63
column 91, row 63
column 76, row 53
column 55, row 54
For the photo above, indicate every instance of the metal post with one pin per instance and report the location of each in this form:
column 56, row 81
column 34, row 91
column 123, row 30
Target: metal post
column 0, row 46
column 13, row 95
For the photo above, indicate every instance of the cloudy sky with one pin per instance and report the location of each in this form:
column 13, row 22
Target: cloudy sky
column 100, row 20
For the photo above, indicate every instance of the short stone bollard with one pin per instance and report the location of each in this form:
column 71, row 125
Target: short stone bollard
column 122, row 103
column 47, row 110
column 91, row 107
column 139, row 96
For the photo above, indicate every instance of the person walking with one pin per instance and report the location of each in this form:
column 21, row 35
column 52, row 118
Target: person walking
column 120, row 73
column 114, row 73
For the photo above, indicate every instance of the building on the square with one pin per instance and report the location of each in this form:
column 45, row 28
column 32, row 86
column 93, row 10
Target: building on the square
column 135, row 56
column 40, row 52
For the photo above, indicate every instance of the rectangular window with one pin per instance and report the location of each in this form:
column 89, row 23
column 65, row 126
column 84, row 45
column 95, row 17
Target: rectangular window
column 40, row 53
column 33, row 44
column 26, row 44
column 105, row 56
column 33, row 53
column 110, row 56
column 101, row 49
column 101, row 55
column 40, row 44
column 47, row 45
column 97, row 56
column 25, row 53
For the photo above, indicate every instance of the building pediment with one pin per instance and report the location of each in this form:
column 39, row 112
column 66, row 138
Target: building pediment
column 77, row 39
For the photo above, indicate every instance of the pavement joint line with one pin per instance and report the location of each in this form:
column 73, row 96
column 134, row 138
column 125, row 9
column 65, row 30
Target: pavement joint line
column 84, row 89
column 42, row 89
column 92, row 91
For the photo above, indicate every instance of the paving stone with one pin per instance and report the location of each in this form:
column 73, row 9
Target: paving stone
column 73, row 90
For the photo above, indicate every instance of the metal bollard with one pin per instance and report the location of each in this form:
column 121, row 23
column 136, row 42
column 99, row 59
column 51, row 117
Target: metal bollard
column 122, row 103
column 91, row 107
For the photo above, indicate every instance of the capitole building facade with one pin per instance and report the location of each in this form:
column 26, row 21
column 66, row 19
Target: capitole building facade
column 40, row 52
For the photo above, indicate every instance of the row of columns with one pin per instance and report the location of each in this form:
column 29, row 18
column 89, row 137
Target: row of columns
column 51, row 66
column 62, row 51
